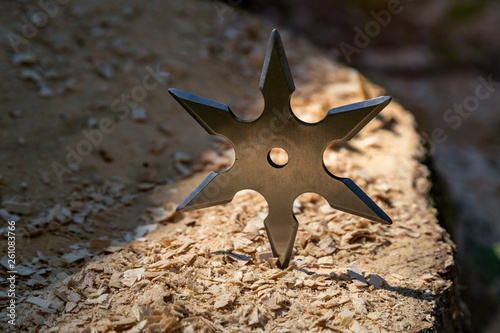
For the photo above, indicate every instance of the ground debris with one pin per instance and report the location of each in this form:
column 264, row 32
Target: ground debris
column 377, row 281
column 139, row 115
column 23, row 59
column 38, row 301
column 74, row 256
column 15, row 207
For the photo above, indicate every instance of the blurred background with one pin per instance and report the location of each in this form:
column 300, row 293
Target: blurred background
column 435, row 58
column 79, row 62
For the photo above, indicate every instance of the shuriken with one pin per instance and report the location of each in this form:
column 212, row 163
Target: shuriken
column 278, row 127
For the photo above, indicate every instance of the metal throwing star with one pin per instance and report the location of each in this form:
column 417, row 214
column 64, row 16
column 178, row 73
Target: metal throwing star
column 278, row 127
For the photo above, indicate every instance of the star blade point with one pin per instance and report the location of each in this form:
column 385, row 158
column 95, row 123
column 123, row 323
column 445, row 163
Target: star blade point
column 346, row 121
column 276, row 79
column 343, row 194
column 213, row 190
column 210, row 114
column 281, row 229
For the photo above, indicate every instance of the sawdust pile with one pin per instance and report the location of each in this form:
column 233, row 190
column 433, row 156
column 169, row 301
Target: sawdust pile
column 213, row 270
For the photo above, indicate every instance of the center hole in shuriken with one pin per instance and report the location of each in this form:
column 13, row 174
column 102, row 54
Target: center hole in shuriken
column 277, row 157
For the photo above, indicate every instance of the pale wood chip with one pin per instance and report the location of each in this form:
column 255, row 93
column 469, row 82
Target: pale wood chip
column 138, row 273
column 412, row 234
column 275, row 302
column 122, row 324
column 265, row 256
column 356, row 327
column 215, row 327
column 356, row 274
column 23, row 208
column 346, row 313
column 259, row 283
column 428, row 277
column 132, row 275
column 97, row 293
column 149, row 296
column 321, row 321
column 74, row 256
column 223, row 301
column 70, row 306
column 351, row 247
column 187, row 259
column 359, row 305
column 24, row 271
column 302, row 261
column 386, row 297
column 241, row 243
column 310, row 283
column 99, row 300
column 277, row 273
column 358, row 235
column 326, row 261
column 397, row 276
column 360, row 283
column 377, row 281
column 185, row 247
column 138, row 328
column 38, row 301
column 373, row 315
column 254, row 225
column 163, row 264
column 336, row 302
column 115, row 280
column 254, row 317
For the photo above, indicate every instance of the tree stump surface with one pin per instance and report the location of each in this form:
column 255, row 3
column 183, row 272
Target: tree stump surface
column 212, row 269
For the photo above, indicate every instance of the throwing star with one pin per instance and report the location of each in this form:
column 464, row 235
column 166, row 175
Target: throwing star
column 278, row 127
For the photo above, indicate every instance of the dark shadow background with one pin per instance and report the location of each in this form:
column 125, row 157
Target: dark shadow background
column 434, row 57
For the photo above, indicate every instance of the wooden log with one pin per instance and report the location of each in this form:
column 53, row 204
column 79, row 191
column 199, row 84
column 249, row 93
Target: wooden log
column 212, row 269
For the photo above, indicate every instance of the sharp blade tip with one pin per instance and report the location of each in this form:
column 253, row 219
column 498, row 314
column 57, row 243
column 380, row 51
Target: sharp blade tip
column 384, row 219
column 283, row 266
column 176, row 93
column 275, row 46
column 275, row 34
column 386, row 99
column 381, row 100
column 388, row 221
column 184, row 206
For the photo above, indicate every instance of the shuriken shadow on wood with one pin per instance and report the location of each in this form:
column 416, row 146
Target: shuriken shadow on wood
column 303, row 142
